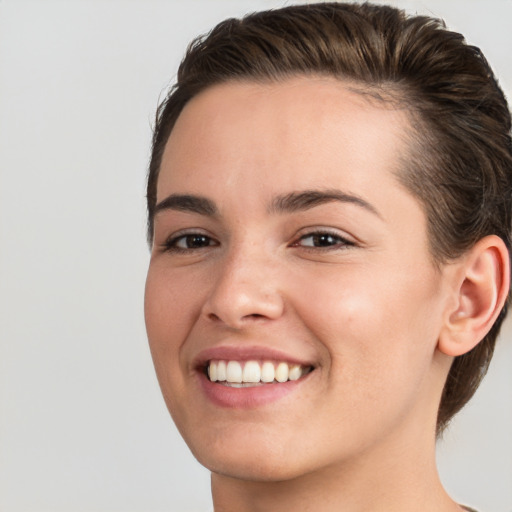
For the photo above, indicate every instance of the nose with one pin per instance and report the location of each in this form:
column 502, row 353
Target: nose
column 245, row 290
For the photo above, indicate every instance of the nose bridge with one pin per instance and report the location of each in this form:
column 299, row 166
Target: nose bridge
column 246, row 287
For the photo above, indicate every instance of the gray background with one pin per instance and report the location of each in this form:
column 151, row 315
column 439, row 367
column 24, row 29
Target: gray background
column 82, row 423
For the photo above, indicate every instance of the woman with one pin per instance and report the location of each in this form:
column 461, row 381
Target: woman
column 329, row 214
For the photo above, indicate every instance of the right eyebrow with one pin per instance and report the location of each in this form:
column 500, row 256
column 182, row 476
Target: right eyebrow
column 306, row 199
column 187, row 203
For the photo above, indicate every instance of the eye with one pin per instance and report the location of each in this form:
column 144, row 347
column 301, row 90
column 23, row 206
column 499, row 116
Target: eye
column 323, row 240
column 189, row 242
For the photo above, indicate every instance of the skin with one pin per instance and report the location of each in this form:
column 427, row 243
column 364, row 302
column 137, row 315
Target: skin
column 366, row 311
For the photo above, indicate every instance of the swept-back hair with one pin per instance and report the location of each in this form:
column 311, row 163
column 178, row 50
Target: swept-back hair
column 459, row 164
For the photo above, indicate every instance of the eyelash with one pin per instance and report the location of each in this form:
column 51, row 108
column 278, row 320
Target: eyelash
column 171, row 244
column 334, row 242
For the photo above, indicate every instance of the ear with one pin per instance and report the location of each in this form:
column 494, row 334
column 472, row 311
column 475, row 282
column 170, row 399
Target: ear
column 481, row 289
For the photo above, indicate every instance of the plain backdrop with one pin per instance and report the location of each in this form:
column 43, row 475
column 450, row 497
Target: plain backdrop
column 82, row 424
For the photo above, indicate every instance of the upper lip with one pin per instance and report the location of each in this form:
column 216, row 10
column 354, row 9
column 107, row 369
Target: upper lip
column 245, row 353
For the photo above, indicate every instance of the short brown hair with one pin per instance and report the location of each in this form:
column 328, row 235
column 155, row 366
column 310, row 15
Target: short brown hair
column 460, row 161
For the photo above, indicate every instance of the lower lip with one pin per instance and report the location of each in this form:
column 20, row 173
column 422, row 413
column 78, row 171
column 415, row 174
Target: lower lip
column 248, row 397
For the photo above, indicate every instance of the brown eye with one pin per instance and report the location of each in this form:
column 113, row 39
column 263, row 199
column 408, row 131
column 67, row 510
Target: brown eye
column 323, row 240
column 192, row 242
column 189, row 242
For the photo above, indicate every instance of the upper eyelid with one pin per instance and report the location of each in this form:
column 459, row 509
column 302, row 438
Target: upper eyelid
column 300, row 234
column 319, row 230
column 188, row 231
column 341, row 240
column 330, row 233
column 185, row 235
column 315, row 230
column 171, row 240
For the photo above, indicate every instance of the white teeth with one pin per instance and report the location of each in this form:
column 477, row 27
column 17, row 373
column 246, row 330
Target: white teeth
column 212, row 372
column 253, row 372
column 295, row 372
column 282, row 372
column 267, row 372
column 221, row 370
column 234, row 371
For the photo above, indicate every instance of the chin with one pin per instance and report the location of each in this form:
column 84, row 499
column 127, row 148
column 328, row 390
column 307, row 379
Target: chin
column 248, row 455
column 260, row 469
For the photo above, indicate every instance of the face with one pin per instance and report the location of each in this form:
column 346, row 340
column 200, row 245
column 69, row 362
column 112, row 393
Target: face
column 285, row 249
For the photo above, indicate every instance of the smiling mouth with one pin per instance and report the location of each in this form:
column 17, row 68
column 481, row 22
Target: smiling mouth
column 252, row 373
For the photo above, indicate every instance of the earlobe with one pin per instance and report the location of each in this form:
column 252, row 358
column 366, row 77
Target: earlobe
column 481, row 291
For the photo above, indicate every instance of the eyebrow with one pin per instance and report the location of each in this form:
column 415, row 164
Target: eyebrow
column 187, row 203
column 297, row 201
column 286, row 203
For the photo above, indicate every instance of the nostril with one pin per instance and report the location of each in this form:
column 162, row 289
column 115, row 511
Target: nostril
column 254, row 316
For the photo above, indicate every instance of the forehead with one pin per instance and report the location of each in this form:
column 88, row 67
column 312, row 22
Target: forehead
column 304, row 132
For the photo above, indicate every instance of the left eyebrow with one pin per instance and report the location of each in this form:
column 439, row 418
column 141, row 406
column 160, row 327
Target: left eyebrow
column 304, row 200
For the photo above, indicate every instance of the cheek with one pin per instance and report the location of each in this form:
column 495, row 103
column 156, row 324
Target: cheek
column 170, row 308
column 171, row 302
column 377, row 323
column 380, row 335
